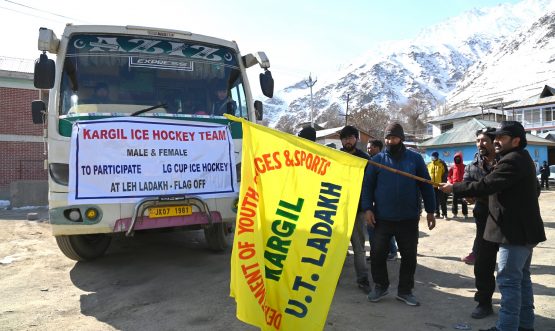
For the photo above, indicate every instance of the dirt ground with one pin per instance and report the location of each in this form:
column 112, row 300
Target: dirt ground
column 170, row 281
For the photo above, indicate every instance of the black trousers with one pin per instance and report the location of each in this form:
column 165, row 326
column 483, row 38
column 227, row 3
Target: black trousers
column 441, row 201
column 406, row 234
column 546, row 181
column 454, row 206
column 486, row 257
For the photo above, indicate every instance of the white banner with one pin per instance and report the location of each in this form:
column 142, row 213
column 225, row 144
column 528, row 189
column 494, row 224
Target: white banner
column 121, row 160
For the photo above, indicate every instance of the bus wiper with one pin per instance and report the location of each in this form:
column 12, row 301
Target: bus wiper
column 138, row 112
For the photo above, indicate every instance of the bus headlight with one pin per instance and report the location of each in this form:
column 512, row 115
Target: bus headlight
column 73, row 215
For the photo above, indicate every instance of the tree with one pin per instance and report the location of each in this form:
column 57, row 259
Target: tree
column 286, row 123
column 414, row 114
column 372, row 119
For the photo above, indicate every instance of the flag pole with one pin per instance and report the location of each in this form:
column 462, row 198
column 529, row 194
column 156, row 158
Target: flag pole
column 406, row 174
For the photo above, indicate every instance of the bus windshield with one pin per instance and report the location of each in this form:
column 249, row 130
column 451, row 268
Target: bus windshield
column 126, row 74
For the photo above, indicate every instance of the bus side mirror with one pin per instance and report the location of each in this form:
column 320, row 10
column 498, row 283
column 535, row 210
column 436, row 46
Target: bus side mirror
column 267, row 83
column 258, row 110
column 45, row 72
column 38, row 109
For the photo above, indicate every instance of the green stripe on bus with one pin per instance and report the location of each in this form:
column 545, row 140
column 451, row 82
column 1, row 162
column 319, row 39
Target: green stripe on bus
column 65, row 124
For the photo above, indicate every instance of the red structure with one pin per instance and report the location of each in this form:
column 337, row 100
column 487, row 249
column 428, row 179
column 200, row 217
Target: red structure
column 21, row 143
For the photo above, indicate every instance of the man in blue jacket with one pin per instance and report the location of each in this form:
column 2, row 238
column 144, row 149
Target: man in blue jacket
column 392, row 205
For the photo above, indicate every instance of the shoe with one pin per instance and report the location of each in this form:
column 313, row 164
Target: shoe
column 444, row 216
column 465, row 217
column 392, row 256
column 454, row 215
column 437, row 215
column 481, row 311
column 377, row 294
column 470, row 259
column 364, row 285
column 409, row 299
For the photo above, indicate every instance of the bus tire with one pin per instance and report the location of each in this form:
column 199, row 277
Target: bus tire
column 84, row 247
column 216, row 236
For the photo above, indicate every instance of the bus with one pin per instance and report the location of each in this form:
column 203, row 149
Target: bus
column 106, row 74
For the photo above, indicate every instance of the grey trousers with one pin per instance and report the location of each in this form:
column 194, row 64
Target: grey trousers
column 357, row 242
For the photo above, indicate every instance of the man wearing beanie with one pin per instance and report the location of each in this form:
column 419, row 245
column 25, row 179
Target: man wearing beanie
column 514, row 222
column 349, row 139
column 309, row 133
column 392, row 205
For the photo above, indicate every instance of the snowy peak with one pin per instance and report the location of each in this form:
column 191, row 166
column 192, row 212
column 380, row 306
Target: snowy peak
column 442, row 61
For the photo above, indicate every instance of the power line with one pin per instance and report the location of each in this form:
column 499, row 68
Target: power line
column 41, row 17
column 42, row 11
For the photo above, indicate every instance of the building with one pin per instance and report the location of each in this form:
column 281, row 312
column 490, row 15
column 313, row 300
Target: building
column 444, row 123
column 21, row 142
column 537, row 113
column 463, row 139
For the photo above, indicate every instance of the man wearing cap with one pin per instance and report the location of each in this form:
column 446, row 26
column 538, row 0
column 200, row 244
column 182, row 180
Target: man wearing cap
column 484, row 253
column 309, row 133
column 514, row 222
column 438, row 173
column 392, row 205
column 349, row 139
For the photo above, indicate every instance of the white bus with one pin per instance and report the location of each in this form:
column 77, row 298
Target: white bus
column 108, row 72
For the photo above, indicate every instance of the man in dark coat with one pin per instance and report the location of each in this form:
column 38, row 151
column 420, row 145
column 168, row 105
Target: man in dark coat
column 484, row 253
column 545, row 173
column 514, row 222
column 349, row 138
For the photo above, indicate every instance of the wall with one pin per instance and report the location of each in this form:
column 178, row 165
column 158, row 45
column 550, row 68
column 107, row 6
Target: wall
column 21, row 142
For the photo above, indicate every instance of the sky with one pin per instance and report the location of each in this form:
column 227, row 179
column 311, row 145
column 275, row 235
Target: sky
column 299, row 37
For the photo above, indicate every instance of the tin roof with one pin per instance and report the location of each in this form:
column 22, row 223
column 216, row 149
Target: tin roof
column 466, row 134
column 547, row 96
column 462, row 114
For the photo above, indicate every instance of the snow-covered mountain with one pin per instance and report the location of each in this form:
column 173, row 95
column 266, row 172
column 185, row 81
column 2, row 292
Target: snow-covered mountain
column 429, row 67
column 517, row 69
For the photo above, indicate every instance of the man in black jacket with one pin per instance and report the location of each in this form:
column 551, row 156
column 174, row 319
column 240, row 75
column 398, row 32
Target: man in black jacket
column 514, row 222
column 545, row 173
column 484, row 253
column 349, row 139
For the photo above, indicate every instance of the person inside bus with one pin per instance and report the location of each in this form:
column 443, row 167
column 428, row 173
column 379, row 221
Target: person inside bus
column 101, row 94
column 223, row 103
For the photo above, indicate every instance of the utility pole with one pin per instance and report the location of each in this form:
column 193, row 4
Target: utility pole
column 347, row 110
column 310, row 84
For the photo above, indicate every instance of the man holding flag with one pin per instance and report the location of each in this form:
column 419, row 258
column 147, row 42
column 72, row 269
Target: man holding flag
column 392, row 205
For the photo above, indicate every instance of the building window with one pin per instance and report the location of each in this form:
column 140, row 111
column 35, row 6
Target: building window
column 547, row 115
column 446, row 127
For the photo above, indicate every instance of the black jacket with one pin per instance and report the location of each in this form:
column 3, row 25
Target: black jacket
column 545, row 171
column 475, row 171
column 513, row 197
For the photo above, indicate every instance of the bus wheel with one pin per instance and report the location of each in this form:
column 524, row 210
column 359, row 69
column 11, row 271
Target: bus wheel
column 216, row 236
column 84, row 247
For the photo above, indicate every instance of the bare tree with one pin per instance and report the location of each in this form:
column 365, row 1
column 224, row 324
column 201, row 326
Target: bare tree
column 414, row 114
column 286, row 123
column 372, row 119
column 332, row 116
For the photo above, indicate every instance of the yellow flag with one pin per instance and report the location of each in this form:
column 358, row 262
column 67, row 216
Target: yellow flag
column 297, row 206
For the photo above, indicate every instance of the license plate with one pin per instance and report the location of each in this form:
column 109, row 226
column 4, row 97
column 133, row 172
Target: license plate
column 156, row 212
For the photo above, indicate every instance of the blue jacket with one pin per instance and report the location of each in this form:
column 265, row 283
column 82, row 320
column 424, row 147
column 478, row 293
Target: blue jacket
column 394, row 197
